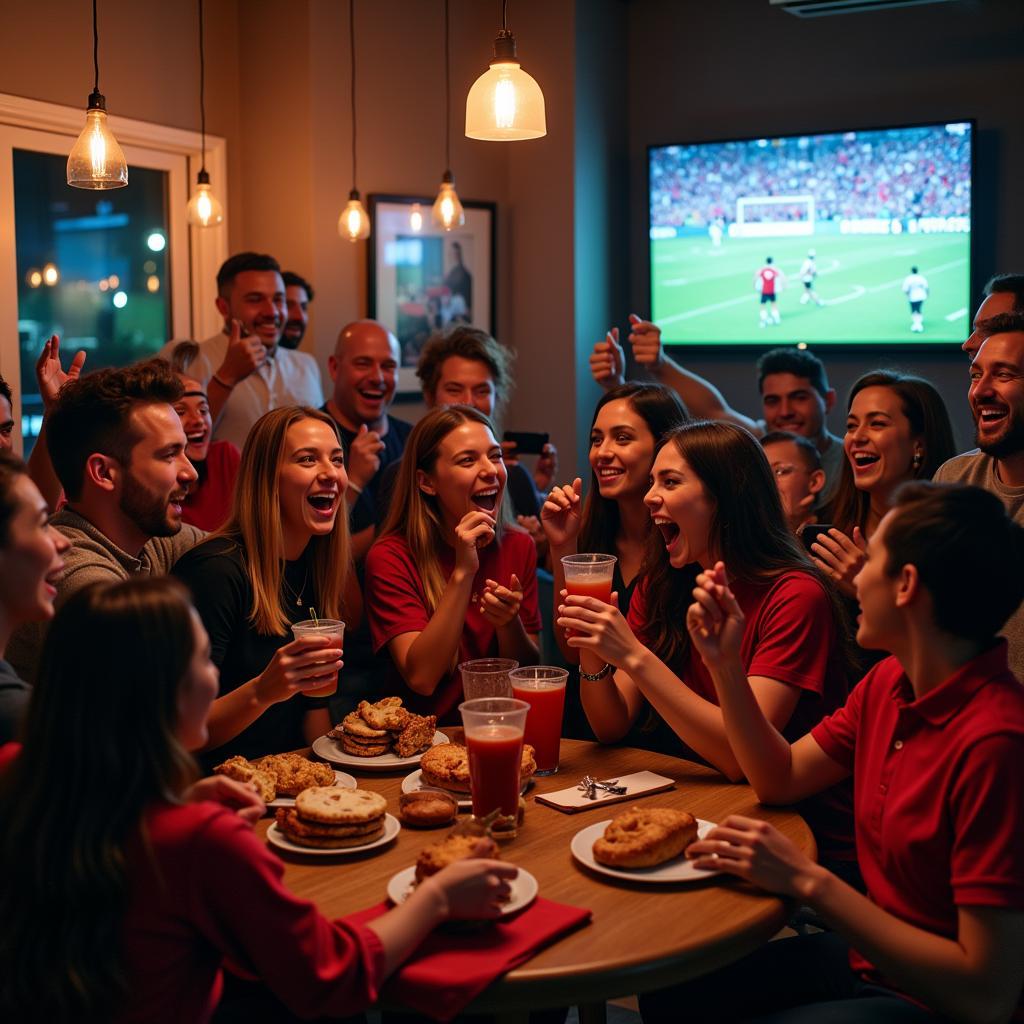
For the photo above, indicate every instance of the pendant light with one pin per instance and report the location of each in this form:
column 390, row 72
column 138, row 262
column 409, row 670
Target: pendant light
column 447, row 212
column 505, row 104
column 353, row 224
column 204, row 209
column 96, row 160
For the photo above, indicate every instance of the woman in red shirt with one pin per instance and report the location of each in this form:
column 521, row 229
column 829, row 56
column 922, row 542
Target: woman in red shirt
column 933, row 738
column 125, row 886
column 450, row 578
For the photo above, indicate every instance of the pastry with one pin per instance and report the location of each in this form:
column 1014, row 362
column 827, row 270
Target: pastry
column 330, row 805
column 289, row 821
column 447, row 766
column 643, row 837
column 427, row 808
column 387, row 713
column 416, row 736
column 453, row 847
column 239, row 769
column 354, row 725
column 295, row 773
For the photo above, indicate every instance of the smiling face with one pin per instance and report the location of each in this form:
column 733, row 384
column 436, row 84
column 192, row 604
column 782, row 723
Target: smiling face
column 879, row 442
column 799, row 483
column 30, row 557
column 469, row 475
column 364, row 369
column 464, row 381
column 257, row 299
column 197, row 691
column 297, row 299
column 312, row 479
column 193, row 410
column 159, row 474
column 6, row 423
column 996, row 395
column 621, row 451
column 681, row 509
column 791, row 403
column 992, row 305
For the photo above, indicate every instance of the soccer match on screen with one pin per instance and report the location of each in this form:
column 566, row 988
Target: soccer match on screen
column 841, row 238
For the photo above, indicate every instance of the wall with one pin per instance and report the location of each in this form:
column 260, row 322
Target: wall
column 734, row 68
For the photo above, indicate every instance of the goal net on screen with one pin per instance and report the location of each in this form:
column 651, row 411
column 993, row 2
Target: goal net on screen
column 773, row 216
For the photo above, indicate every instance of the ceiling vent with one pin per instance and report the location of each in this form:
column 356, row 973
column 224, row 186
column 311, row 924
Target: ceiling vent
column 826, row 8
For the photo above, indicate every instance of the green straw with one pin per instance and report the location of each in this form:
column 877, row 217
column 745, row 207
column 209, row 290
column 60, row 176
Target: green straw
column 312, row 615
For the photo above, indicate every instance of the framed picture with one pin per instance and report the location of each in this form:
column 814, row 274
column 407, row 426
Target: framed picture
column 422, row 278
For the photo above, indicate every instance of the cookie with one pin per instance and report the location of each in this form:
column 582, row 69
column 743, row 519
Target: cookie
column 416, row 736
column 387, row 713
column 361, row 750
column 295, row 773
column 427, row 808
column 439, row 855
column 353, row 724
column 289, row 821
column 643, row 837
column 239, row 769
column 336, row 843
column 333, row 806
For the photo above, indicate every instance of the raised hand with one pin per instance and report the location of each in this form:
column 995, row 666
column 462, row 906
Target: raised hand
column 608, row 361
column 840, row 557
column 560, row 514
column 500, row 605
column 715, row 621
column 243, row 356
column 475, row 530
column 645, row 337
column 241, row 797
column 364, row 456
column 50, row 375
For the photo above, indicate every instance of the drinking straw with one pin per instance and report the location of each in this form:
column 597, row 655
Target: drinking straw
column 312, row 615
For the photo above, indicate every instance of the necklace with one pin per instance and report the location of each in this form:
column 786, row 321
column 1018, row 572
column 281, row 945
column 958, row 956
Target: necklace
column 291, row 590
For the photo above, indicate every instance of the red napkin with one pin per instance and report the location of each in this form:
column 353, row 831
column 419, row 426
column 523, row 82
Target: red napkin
column 451, row 969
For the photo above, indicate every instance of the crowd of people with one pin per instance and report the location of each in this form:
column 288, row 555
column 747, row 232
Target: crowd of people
column 899, row 173
column 835, row 619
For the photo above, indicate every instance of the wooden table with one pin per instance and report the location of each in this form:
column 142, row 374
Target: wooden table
column 642, row 937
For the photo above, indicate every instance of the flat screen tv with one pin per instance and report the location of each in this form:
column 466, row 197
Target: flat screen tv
column 842, row 238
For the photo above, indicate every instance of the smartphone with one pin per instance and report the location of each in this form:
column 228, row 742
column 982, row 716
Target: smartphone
column 810, row 533
column 527, row 443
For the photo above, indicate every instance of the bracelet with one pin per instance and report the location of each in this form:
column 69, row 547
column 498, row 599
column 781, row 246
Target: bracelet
column 593, row 677
column 354, row 487
column 223, row 383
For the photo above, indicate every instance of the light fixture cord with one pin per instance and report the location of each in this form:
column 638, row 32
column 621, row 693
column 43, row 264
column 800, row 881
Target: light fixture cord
column 352, row 50
column 447, row 95
column 202, row 88
column 95, row 48
column 504, row 16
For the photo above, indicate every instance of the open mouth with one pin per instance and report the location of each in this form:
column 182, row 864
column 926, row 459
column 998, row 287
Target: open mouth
column 669, row 532
column 487, row 500
column 323, row 503
column 609, row 474
column 196, row 439
column 989, row 415
column 863, row 460
column 372, row 396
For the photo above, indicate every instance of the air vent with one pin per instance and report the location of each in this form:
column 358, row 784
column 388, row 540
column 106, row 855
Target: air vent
column 826, row 8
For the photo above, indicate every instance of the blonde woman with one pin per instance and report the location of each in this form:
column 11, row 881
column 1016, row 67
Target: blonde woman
column 284, row 550
column 450, row 578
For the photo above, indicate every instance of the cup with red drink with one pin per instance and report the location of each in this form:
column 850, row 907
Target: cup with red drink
column 589, row 575
column 543, row 688
column 494, row 738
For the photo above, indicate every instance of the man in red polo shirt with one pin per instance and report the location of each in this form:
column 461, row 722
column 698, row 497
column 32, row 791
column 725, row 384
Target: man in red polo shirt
column 934, row 740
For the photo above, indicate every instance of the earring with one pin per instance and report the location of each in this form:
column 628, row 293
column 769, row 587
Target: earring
column 917, row 460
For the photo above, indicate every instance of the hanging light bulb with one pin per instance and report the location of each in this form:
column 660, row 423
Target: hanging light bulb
column 204, row 208
column 505, row 104
column 96, row 160
column 447, row 212
column 354, row 222
column 416, row 218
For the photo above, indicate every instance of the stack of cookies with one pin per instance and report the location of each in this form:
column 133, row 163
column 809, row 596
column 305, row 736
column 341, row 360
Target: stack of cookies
column 329, row 818
column 383, row 728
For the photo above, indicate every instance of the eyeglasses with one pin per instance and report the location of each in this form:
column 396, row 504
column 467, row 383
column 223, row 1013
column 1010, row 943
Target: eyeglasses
column 784, row 469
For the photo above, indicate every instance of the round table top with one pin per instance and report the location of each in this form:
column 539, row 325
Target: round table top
column 641, row 936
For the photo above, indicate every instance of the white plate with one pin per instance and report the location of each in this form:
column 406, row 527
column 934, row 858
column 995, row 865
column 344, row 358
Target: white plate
column 679, row 869
column 412, row 783
column 524, row 889
column 277, row 838
column 342, row 779
column 331, row 750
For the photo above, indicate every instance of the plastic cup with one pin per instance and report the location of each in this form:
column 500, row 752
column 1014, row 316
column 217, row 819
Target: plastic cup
column 333, row 628
column 494, row 738
column 486, row 677
column 589, row 575
column 543, row 688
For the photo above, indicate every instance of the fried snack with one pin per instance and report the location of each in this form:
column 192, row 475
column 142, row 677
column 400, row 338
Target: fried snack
column 416, row 736
column 643, row 837
column 446, row 851
column 427, row 808
column 387, row 713
column 290, row 822
column 239, row 769
column 364, row 750
column 353, row 725
column 294, row 773
column 329, row 805
column 447, row 766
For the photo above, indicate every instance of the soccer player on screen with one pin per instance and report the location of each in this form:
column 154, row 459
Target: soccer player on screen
column 767, row 282
column 808, row 274
column 915, row 287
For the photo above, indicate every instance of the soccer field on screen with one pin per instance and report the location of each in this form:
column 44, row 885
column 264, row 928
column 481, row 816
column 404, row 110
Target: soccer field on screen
column 704, row 294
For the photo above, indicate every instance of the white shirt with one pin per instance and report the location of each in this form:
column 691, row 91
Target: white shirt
column 287, row 377
column 916, row 287
column 809, row 271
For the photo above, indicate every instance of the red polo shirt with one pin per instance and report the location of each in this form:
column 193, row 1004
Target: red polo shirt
column 208, row 503
column 938, row 790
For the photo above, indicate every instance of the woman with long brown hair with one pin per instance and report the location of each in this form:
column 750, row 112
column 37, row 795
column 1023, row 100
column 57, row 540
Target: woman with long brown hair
column 126, row 883
column 450, row 578
column 284, row 550
column 714, row 498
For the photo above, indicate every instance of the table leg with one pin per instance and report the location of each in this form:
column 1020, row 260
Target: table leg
column 593, row 1013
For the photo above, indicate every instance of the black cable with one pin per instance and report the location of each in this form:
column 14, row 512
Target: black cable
column 95, row 49
column 447, row 96
column 202, row 88
column 504, row 16
column 352, row 51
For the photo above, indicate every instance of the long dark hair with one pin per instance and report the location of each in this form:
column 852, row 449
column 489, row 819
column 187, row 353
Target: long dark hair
column 929, row 421
column 662, row 411
column 100, row 746
column 748, row 529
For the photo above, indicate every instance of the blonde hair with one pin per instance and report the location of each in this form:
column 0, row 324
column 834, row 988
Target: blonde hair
column 255, row 524
column 416, row 516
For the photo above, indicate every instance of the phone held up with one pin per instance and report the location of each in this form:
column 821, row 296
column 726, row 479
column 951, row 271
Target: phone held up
column 810, row 533
column 527, row 443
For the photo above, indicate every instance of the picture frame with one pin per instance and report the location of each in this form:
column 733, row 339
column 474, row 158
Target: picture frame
column 421, row 278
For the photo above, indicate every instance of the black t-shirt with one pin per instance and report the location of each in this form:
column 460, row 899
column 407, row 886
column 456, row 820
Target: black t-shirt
column 14, row 695
column 216, row 572
column 365, row 512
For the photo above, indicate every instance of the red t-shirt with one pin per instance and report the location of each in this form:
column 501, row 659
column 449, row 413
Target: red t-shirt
column 767, row 276
column 396, row 604
column 939, row 787
column 208, row 503
column 791, row 637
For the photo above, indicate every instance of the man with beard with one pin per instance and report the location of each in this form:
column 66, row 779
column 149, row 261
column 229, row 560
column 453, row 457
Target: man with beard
column 996, row 396
column 298, row 293
column 118, row 449
column 244, row 369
